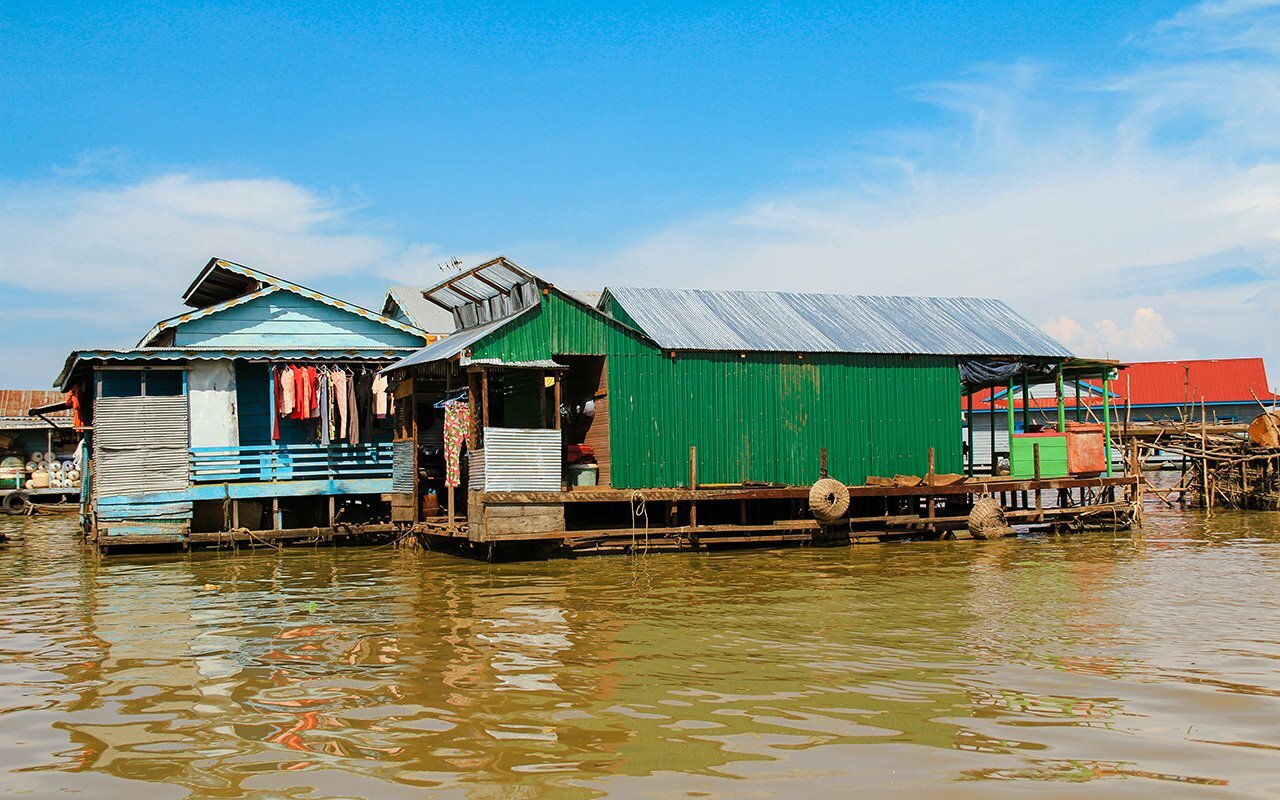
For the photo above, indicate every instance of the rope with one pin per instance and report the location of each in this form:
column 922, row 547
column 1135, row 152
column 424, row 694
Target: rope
column 639, row 509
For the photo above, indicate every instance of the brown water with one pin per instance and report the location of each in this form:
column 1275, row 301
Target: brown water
column 1094, row 665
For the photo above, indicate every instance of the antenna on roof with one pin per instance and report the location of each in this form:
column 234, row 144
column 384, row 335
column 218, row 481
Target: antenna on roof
column 450, row 264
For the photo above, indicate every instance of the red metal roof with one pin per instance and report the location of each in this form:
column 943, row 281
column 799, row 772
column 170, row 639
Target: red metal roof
column 1161, row 383
column 1218, row 380
column 16, row 402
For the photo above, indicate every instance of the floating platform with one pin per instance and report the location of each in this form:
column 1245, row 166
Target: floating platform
column 600, row 520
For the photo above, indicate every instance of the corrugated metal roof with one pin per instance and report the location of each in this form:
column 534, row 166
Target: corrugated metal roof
column 452, row 345
column 206, row 353
column 32, row 423
column 697, row 319
column 268, row 285
column 587, row 297
column 16, row 402
column 1224, row 380
column 418, row 310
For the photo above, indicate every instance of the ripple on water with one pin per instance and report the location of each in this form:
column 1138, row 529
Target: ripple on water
column 1119, row 664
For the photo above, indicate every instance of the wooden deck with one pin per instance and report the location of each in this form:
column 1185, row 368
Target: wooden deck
column 667, row 519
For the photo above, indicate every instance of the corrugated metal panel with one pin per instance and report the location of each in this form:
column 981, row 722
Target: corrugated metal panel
column 520, row 459
column 451, row 346
column 475, row 469
column 16, row 403
column 1227, row 380
column 767, row 419
column 418, row 310
column 140, row 444
column 402, row 467
column 694, row 319
column 559, row 326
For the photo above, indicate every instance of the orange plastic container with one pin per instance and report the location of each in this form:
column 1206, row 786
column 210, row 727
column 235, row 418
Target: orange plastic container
column 1086, row 449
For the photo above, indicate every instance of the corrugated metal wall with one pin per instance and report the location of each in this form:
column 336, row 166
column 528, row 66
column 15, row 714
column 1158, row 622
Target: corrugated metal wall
column 140, row 445
column 518, row 459
column 402, row 467
column 764, row 417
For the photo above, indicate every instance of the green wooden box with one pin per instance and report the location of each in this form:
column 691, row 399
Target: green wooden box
column 1053, row 455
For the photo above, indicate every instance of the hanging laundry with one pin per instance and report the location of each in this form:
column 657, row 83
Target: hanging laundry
column 340, row 403
column 324, row 408
column 286, row 390
column 381, row 397
column 353, row 412
column 364, row 403
column 331, row 405
column 457, row 430
column 77, row 411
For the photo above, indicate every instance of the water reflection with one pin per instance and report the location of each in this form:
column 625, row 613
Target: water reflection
column 1119, row 662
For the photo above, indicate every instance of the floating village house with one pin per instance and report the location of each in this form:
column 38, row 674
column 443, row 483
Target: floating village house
column 39, row 452
column 1228, row 391
column 575, row 415
column 258, row 410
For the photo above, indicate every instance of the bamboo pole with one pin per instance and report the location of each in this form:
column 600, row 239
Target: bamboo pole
column 1062, row 404
column 1204, row 460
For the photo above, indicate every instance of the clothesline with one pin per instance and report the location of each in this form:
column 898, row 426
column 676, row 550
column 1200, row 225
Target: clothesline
column 342, row 402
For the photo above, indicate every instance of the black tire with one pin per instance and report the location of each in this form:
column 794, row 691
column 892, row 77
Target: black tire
column 16, row 502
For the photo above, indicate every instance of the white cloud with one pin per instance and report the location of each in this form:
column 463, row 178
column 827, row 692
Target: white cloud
column 150, row 236
column 106, row 258
column 1145, row 336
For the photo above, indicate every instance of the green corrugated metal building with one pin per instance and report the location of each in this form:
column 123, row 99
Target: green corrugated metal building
column 778, row 378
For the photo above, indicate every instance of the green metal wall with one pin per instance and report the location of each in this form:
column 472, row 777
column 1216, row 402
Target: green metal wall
column 762, row 417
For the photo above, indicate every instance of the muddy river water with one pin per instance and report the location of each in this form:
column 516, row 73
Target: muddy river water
column 1096, row 665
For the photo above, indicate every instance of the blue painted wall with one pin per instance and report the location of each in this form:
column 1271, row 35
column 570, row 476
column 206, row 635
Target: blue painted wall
column 284, row 319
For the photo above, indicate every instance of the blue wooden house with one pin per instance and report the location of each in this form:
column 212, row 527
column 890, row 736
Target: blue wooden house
column 187, row 443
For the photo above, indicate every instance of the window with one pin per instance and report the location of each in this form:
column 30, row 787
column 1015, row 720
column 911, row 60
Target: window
column 121, row 383
column 140, row 383
column 164, row 383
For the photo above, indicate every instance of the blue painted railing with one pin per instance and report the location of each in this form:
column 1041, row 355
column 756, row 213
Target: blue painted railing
column 293, row 462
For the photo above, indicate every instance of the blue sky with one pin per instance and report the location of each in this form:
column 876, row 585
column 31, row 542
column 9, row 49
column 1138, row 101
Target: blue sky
column 1110, row 172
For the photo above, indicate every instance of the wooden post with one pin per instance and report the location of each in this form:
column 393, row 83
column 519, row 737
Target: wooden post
column 931, row 502
column 277, row 517
column 822, row 464
column 484, row 398
column 1138, row 499
column 235, row 514
column 556, row 411
column 1204, row 458
column 333, row 502
column 473, row 388
column 542, row 397
column 693, row 484
column 1035, row 458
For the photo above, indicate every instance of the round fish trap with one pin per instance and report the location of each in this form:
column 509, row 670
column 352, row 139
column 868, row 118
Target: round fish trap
column 829, row 500
column 987, row 519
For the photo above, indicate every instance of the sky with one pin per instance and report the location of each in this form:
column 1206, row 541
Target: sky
column 1112, row 171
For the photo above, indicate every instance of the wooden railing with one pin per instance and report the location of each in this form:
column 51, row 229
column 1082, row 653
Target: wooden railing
column 293, row 462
